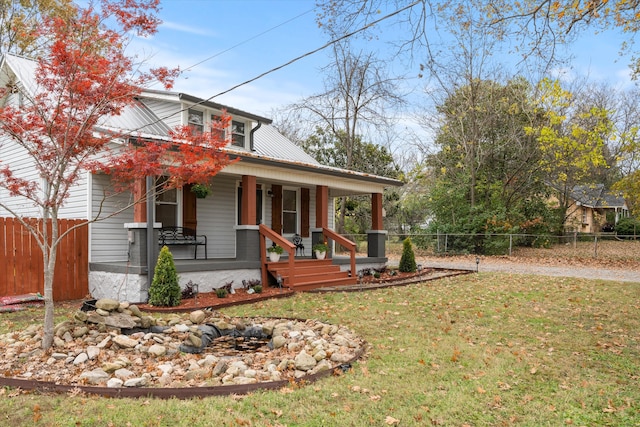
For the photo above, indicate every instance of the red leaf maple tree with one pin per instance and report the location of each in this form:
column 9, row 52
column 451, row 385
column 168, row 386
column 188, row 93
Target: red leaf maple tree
column 84, row 76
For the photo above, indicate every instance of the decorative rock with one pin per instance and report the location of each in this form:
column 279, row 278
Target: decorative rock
column 120, row 320
column 194, row 341
column 124, row 374
column 102, row 312
column 278, row 341
column 157, row 350
column 59, row 356
column 220, row 368
column 135, row 310
column 341, row 357
column 124, row 341
column 80, row 316
column 81, row 358
column 107, row 304
column 136, row 382
column 166, row 368
column 80, row 331
column 196, row 373
column 96, row 376
column 58, row 342
column 124, row 305
column 244, row 380
column 93, row 352
column 304, row 361
column 197, row 316
column 114, row 383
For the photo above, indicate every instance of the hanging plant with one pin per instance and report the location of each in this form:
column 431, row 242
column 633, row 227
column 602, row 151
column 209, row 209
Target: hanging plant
column 201, row 190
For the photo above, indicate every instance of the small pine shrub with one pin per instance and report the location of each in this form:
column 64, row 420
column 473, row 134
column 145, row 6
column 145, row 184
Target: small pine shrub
column 222, row 292
column 257, row 289
column 165, row 290
column 408, row 258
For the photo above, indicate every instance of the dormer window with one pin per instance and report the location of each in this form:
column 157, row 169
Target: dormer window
column 237, row 132
column 196, row 121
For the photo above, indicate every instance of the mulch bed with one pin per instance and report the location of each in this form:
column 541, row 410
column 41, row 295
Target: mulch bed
column 209, row 300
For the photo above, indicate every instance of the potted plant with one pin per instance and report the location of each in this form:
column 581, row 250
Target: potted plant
column 320, row 249
column 274, row 252
column 201, row 190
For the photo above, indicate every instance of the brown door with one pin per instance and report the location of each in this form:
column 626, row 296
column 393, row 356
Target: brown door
column 189, row 213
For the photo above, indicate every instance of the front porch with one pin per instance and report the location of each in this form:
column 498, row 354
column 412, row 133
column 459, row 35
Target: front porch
column 122, row 281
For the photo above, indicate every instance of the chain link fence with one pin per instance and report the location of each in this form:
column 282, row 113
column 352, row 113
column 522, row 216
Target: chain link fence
column 443, row 244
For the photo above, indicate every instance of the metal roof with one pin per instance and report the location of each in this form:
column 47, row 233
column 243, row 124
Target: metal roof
column 271, row 143
column 137, row 118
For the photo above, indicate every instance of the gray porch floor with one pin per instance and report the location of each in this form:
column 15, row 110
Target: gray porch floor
column 193, row 265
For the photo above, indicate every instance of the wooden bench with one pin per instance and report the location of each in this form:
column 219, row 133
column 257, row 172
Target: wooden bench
column 180, row 236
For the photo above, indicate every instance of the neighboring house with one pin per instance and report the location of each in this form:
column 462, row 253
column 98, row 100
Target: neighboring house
column 275, row 187
column 594, row 209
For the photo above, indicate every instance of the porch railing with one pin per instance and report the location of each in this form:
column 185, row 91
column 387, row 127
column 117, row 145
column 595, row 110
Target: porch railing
column 344, row 242
column 268, row 233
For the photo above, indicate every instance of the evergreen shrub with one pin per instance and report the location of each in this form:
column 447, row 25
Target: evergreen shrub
column 165, row 290
column 408, row 258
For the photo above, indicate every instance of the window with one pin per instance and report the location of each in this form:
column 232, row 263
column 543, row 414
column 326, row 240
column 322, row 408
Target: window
column 289, row 211
column 167, row 204
column 585, row 218
column 196, row 121
column 237, row 130
column 215, row 124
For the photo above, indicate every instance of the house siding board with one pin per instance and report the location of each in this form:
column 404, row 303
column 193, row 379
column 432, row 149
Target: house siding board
column 22, row 166
column 217, row 217
column 109, row 237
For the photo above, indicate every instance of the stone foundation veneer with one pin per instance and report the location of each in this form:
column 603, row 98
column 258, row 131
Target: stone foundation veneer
column 132, row 287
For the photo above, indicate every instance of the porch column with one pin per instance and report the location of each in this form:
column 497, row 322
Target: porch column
column 139, row 209
column 322, row 215
column 137, row 230
column 377, row 236
column 247, row 234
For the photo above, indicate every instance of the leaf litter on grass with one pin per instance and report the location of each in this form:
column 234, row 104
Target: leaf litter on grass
column 486, row 349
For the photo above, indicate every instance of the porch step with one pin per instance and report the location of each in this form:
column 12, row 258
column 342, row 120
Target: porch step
column 310, row 274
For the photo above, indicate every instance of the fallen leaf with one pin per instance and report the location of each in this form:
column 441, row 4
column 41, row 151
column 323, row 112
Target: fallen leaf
column 391, row 421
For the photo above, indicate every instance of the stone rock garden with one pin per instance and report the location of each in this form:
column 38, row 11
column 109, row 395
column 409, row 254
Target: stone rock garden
column 114, row 344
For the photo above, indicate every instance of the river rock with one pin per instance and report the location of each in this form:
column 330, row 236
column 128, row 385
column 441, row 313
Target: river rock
column 95, row 376
column 124, row 341
column 304, row 361
column 107, row 304
column 197, row 317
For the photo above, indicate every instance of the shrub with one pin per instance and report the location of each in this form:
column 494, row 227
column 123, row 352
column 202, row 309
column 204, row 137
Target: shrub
column 257, row 289
column 408, row 258
column 165, row 290
column 628, row 227
column 189, row 290
column 222, row 292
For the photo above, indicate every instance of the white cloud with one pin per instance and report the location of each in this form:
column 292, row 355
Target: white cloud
column 187, row 29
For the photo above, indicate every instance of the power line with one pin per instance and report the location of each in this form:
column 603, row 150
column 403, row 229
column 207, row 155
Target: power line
column 247, row 40
column 296, row 59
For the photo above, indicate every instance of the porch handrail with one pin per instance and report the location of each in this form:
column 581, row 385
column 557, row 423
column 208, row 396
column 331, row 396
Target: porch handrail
column 343, row 241
column 266, row 232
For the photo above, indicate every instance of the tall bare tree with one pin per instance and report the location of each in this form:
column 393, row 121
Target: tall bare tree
column 357, row 101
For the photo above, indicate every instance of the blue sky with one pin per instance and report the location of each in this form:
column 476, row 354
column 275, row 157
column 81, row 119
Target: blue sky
column 271, row 33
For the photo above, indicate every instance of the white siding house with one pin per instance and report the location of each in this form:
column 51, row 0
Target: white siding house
column 276, row 168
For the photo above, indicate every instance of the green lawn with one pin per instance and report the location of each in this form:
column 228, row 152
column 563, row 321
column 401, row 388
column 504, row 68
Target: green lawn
column 474, row 350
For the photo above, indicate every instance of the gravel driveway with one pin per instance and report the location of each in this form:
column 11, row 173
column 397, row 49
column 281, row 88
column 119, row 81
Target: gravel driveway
column 508, row 266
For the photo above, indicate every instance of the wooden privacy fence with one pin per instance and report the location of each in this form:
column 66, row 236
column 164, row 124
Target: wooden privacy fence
column 21, row 269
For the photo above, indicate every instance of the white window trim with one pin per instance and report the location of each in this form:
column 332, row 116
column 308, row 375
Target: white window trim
column 297, row 191
column 179, row 207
